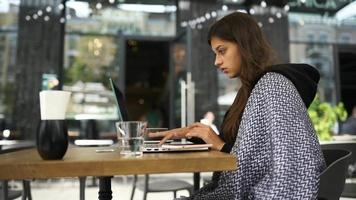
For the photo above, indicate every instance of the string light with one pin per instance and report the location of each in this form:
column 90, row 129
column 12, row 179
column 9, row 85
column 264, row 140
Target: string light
column 39, row 13
column 195, row 23
column 60, row 6
column 286, row 8
column 225, row 8
column 49, row 9
column 214, row 14
column 207, row 15
column 263, row 4
column 98, row 6
column 271, row 20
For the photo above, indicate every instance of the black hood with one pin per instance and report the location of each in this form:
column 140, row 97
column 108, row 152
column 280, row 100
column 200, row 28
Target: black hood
column 304, row 77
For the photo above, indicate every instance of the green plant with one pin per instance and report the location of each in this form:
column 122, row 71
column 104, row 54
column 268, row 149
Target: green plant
column 324, row 116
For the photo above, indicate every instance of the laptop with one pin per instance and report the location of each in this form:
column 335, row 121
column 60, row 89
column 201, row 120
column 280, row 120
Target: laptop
column 152, row 146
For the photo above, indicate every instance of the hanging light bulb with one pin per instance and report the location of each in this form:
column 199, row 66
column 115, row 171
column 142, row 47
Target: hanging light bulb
column 252, row 11
column 279, row 15
column 48, row 9
column 60, row 6
column 184, row 24
column 271, row 20
column 111, row 1
column 202, row 19
column 207, row 15
column 99, row 6
column 263, row 4
column 213, row 14
column 39, row 13
column 28, row 18
column 260, row 24
column 62, row 20
column 6, row 133
column 46, row 18
column 34, row 16
column 286, row 8
column 224, row 8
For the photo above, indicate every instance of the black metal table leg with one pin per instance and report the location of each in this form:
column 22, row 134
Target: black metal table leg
column 82, row 181
column 105, row 192
column 196, row 181
column 26, row 184
column 5, row 190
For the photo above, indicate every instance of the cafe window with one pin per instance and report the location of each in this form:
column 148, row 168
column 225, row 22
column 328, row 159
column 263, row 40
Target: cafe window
column 8, row 47
column 93, row 52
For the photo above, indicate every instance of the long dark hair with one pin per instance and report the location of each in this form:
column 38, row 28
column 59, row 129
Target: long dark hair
column 256, row 55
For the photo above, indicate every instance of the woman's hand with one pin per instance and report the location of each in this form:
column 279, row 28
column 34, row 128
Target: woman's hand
column 205, row 133
column 198, row 130
column 177, row 133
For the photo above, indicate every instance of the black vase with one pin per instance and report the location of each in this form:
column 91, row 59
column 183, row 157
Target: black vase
column 52, row 139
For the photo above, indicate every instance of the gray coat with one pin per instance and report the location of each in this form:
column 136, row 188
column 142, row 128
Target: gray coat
column 279, row 156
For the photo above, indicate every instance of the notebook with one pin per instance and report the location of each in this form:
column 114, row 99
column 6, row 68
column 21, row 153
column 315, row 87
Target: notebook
column 152, row 146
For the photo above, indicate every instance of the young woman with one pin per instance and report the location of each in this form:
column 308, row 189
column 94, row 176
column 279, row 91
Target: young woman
column 267, row 127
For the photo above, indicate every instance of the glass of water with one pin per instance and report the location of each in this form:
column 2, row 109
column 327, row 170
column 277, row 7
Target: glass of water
column 130, row 137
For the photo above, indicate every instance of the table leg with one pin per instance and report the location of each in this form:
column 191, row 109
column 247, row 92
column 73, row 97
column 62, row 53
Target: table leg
column 82, row 181
column 196, row 181
column 105, row 192
column 4, row 190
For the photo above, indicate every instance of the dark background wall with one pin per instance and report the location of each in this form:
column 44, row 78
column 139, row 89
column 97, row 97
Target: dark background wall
column 40, row 50
column 277, row 34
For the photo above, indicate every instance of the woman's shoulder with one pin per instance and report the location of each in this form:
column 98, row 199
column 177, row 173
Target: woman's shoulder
column 271, row 79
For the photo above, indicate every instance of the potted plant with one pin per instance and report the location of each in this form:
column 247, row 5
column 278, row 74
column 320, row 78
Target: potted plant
column 324, row 116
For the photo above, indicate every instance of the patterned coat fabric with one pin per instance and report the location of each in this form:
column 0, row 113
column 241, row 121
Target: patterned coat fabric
column 279, row 156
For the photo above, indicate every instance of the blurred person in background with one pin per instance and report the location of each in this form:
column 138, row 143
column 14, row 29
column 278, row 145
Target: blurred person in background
column 208, row 120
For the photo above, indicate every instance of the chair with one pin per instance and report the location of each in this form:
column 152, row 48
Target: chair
column 332, row 179
column 170, row 185
column 6, row 194
column 350, row 188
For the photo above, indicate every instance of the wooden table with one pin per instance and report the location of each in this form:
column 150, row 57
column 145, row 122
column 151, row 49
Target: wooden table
column 84, row 161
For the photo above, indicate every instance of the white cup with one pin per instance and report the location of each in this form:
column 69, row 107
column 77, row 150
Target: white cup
column 53, row 104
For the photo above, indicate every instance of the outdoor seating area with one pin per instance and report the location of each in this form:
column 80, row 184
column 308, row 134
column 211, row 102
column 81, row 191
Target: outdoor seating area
column 166, row 99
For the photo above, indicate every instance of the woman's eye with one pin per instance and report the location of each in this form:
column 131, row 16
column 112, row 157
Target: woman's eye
column 222, row 51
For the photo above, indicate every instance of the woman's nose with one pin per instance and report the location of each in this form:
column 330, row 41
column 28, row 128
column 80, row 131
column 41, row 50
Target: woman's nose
column 217, row 61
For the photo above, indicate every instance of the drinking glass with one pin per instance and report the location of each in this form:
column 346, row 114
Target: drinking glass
column 130, row 137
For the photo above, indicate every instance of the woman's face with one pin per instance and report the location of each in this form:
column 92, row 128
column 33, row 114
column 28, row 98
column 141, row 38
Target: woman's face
column 227, row 56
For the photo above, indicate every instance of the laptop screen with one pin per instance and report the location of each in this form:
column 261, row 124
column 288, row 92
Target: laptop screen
column 120, row 101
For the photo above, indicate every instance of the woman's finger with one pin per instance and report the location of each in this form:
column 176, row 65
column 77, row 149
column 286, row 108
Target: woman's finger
column 167, row 137
column 196, row 132
column 157, row 134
